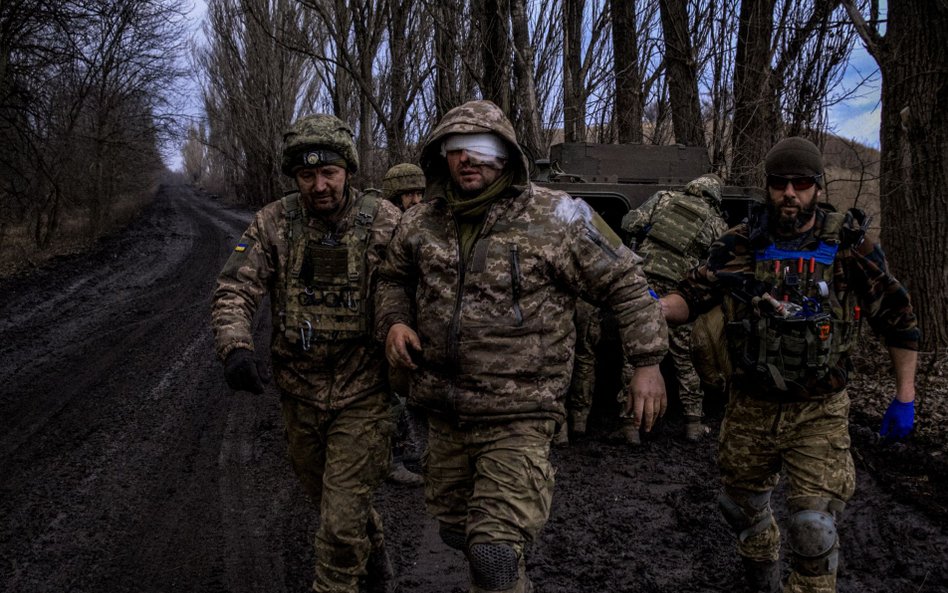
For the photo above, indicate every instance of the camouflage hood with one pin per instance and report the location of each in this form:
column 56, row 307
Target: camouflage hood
column 474, row 117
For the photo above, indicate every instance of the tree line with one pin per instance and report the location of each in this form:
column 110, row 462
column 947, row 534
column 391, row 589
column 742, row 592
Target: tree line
column 84, row 108
column 709, row 73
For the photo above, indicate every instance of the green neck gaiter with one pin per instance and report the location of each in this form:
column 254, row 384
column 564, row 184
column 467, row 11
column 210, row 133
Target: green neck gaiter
column 470, row 213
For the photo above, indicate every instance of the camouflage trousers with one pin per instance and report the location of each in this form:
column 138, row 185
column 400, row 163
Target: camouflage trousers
column 490, row 483
column 808, row 442
column 341, row 456
column 582, row 383
column 689, row 384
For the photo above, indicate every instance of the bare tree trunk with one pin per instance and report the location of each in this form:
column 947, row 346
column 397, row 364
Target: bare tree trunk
column 913, row 58
column 753, row 132
column 446, row 94
column 528, row 122
column 496, row 51
column 681, row 73
column 628, row 100
column 721, row 75
column 574, row 96
column 398, row 81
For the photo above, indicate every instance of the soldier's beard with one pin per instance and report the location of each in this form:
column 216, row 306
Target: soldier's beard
column 790, row 223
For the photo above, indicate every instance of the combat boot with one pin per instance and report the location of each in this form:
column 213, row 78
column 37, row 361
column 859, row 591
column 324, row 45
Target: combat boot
column 399, row 474
column 561, row 438
column 762, row 576
column 627, row 433
column 579, row 421
column 380, row 572
column 694, row 429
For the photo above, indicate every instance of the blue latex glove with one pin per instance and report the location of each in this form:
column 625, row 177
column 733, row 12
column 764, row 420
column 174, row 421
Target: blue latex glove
column 898, row 420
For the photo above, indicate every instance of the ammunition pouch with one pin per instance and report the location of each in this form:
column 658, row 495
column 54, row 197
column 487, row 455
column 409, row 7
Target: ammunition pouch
column 779, row 349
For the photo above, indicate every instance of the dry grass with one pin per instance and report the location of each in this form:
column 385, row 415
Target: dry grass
column 18, row 252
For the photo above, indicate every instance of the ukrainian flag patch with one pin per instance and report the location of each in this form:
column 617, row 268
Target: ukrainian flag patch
column 241, row 247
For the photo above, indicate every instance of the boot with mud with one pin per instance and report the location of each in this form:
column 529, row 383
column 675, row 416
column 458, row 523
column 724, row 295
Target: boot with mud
column 561, row 438
column 399, row 474
column 380, row 572
column 627, row 433
column 761, row 576
column 695, row 430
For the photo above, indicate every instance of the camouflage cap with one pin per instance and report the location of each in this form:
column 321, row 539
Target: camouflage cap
column 794, row 156
column 401, row 178
column 708, row 185
column 302, row 141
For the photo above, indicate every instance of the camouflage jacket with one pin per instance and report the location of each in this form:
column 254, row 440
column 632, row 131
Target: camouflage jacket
column 673, row 231
column 497, row 331
column 858, row 274
column 330, row 374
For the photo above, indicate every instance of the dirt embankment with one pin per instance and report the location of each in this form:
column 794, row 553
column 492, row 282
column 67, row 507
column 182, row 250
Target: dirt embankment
column 129, row 466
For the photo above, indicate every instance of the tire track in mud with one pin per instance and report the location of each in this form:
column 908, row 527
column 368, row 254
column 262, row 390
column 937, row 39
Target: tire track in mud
column 126, row 464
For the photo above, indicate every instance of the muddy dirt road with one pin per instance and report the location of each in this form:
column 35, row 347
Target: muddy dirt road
column 129, row 466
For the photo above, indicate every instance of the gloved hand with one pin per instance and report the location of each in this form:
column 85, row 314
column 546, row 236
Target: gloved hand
column 244, row 372
column 898, row 420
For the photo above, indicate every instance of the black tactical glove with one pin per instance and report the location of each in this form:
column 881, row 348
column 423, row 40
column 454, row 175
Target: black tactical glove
column 244, row 372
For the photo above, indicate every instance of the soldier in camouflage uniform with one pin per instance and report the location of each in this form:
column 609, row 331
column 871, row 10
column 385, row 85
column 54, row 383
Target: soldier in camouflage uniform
column 477, row 295
column 404, row 186
column 315, row 252
column 795, row 282
column 583, row 381
column 673, row 231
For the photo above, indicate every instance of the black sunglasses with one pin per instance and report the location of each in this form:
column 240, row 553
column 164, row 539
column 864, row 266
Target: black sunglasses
column 779, row 182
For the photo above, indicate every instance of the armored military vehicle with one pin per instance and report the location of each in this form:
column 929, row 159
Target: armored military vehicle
column 615, row 178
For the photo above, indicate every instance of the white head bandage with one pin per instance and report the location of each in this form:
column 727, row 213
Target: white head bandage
column 482, row 149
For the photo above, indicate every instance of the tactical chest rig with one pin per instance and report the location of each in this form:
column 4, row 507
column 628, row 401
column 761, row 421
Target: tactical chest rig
column 327, row 279
column 674, row 236
column 789, row 324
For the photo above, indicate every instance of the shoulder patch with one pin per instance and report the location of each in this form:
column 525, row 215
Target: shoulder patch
column 241, row 247
column 612, row 239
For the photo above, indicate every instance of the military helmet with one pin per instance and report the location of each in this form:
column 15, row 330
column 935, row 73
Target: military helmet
column 401, row 178
column 708, row 185
column 318, row 139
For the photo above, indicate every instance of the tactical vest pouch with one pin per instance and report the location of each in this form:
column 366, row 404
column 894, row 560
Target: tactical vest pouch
column 324, row 265
column 674, row 231
column 326, row 280
column 679, row 224
column 783, row 350
column 844, row 336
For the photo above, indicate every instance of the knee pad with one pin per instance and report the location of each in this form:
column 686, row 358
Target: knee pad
column 453, row 538
column 494, row 567
column 747, row 523
column 812, row 539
